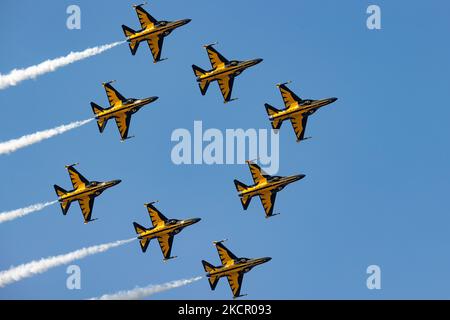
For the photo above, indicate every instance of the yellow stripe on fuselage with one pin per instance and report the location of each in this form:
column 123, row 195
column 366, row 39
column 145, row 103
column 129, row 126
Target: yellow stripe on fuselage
column 288, row 113
column 81, row 193
column 159, row 231
column 108, row 113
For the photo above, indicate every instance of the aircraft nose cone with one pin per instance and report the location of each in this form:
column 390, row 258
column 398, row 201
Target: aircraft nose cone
column 117, row 182
column 195, row 220
column 267, row 259
column 186, row 21
column 259, row 60
column 333, row 100
column 152, row 99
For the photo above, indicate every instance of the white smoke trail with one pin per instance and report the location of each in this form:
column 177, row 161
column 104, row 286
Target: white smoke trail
column 33, row 268
column 19, row 75
column 18, row 213
column 140, row 293
column 24, row 141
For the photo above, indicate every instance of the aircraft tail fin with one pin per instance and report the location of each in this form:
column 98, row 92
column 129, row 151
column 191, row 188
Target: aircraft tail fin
column 240, row 186
column 203, row 84
column 128, row 31
column 140, row 231
column 213, row 280
column 245, row 199
column 271, row 111
column 64, row 204
column 59, row 191
column 101, row 122
column 132, row 43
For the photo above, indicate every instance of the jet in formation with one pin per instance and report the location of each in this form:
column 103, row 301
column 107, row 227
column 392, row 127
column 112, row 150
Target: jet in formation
column 163, row 229
column 223, row 71
column 121, row 109
column 232, row 267
column 84, row 192
column 265, row 186
column 152, row 31
column 296, row 109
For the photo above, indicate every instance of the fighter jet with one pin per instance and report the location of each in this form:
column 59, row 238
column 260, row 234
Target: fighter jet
column 296, row 109
column 163, row 229
column 121, row 109
column 153, row 31
column 232, row 267
column 84, row 192
column 266, row 187
column 223, row 71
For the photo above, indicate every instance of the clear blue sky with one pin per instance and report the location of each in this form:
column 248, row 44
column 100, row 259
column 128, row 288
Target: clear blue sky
column 377, row 168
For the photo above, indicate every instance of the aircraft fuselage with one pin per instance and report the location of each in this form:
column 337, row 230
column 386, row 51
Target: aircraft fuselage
column 132, row 107
column 94, row 190
column 236, row 266
column 230, row 69
column 306, row 107
column 167, row 229
column 163, row 28
column 269, row 185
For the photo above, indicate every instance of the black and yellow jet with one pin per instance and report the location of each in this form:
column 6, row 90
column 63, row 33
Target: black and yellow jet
column 163, row 229
column 121, row 109
column 265, row 186
column 84, row 192
column 232, row 267
column 296, row 109
column 152, row 31
column 223, row 71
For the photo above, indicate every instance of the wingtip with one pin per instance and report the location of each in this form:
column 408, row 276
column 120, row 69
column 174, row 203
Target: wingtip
column 283, row 83
column 210, row 44
column 140, row 5
column 220, row 241
column 108, row 82
column 71, row 165
column 150, row 203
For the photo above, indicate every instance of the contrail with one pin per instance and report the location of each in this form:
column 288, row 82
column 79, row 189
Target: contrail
column 18, row 213
column 33, row 268
column 18, row 75
column 24, row 141
column 140, row 293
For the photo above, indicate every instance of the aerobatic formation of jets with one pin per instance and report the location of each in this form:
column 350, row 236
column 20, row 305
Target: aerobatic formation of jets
column 264, row 186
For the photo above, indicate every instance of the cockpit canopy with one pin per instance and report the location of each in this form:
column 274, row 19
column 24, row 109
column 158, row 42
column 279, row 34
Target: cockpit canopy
column 234, row 63
column 162, row 23
column 93, row 184
column 129, row 101
column 172, row 221
column 307, row 101
column 242, row 260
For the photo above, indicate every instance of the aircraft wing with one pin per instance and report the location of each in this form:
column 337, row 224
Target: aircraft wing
column 78, row 181
column 146, row 20
column 86, row 205
column 299, row 125
column 258, row 174
column 268, row 201
column 114, row 97
column 165, row 242
column 155, row 215
column 288, row 96
column 225, row 255
column 216, row 59
column 235, row 281
column 226, row 86
column 155, row 44
column 123, row 124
